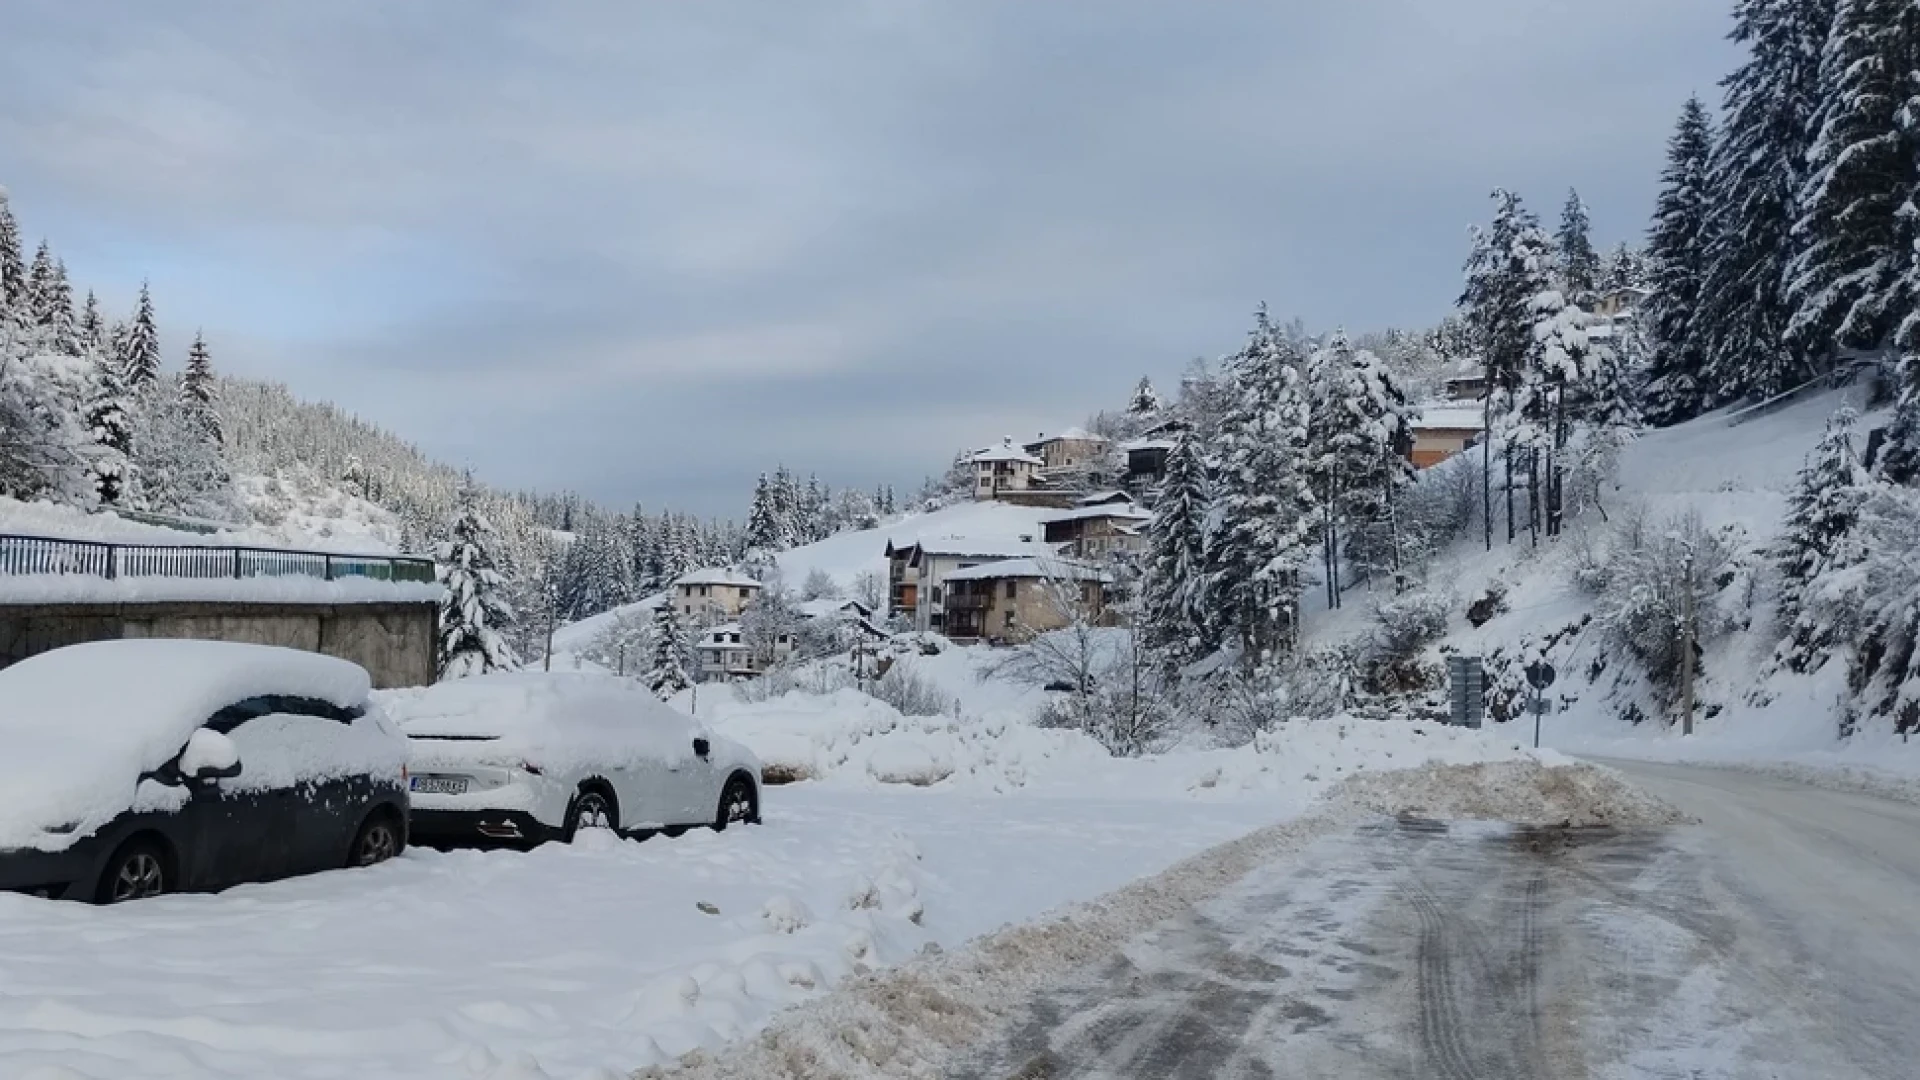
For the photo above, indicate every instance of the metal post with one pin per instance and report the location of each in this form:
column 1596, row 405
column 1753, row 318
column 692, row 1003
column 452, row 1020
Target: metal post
column 1537, row 713
column 1686, row 646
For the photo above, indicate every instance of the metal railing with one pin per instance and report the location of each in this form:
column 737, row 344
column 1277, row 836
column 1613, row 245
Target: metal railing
column 24, row 555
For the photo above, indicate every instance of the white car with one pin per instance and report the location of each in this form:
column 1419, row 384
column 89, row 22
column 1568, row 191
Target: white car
column 525, row 757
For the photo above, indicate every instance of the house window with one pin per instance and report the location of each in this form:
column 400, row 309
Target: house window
column 936, row 594
column 686, row 609
column 1013, row 591
column 744, row 594
column 734, row 638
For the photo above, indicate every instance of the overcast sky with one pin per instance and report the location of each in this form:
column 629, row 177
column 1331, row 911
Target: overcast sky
column 646, row 249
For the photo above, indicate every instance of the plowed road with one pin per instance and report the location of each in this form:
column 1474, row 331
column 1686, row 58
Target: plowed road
column 1778, row 938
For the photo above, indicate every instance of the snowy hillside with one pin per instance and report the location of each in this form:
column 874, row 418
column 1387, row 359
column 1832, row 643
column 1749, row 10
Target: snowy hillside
column 1737, row 478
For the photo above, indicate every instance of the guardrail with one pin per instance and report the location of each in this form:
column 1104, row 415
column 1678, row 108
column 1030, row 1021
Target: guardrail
column 23, row 555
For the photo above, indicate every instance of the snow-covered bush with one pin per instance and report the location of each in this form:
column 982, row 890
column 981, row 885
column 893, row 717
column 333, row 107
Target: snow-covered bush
column 1652, row 568
column 909, row 692
column 1241, row 703
column 1405, row 624
column 1884, row 588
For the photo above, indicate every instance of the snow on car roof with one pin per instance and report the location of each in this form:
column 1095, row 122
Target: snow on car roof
column 79, row 725
column 560, row 721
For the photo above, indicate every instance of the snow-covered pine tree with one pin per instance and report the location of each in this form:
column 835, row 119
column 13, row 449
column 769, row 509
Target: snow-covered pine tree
column 763, row 518
column 40, row 285
column 475, row 614
column 57, row 318
column 13, row 268
column 1507, row 269
column 139, row 346
column 1579, row 263
column 110, row 424
column 1853, row 240
column 1265, row 512
column 672, row 658
column 1677, row 255
column 1757, row 173
column 1822, row 511
column 1557, row 368
column 1624, row 267
column 200, row 392
column 1607, row 414
column 91, row 328
column 1146, row 400
column 1177, row 620
column 1363, row 440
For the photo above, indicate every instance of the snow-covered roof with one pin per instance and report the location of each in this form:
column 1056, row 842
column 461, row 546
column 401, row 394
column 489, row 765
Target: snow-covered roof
column 829, row 607
column 717, row 575
column 1095, row 513
column 1450, row 418
column 1006, row 451
column 1149, row 444
column 962, row 547
column 1100, row 498
column 1600, row 331
column 80, row 725
column 1050, row 569
column 1072, row 434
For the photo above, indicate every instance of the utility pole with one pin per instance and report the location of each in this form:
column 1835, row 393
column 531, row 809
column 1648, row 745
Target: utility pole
column 1686, row 644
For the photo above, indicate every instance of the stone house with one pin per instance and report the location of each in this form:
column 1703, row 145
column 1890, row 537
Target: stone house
column 714, row 595
column 1011, row 601
column 1004, row 468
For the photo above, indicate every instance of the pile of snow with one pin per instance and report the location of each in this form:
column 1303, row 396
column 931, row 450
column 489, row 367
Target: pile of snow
column 360, row 534
column 81, row 724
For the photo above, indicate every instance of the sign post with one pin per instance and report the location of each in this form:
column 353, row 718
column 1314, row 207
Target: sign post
column 1540, row 675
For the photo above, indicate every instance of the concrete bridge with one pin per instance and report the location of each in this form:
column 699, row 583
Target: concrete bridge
column 378, row 611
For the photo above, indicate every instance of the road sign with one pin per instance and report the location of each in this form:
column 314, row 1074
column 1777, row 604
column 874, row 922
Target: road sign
column 1542, row 705
column 1467, row 686
column 1540, row 674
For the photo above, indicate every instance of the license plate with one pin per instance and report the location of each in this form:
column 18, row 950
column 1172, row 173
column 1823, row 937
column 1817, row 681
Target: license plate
column 440, row 785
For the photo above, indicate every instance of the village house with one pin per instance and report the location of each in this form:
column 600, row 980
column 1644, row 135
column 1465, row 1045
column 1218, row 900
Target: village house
column 714, row 595
column 1072, row 449
column 1621, row 302
column 1002, row 469
column 1443, row 431
column 1147, row 456
column 722, row 653
column 917, row 572
column 1011, row 601
column 1097, row 529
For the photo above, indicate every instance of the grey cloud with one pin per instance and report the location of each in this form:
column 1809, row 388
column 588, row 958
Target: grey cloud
column 653, row 247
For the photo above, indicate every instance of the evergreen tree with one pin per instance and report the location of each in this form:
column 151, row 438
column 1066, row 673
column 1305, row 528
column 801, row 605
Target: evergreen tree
column 111, row 427
column 1758, row 171
column 1624, row 268
column 1558, row 370
column 1677, row 253
column 1265, row 507
column 1506, row 271
column 13, row 268
column 56, row 316
column 763, row 518
column 474, row 614
column 1821, row 514
column 1146, row 400
column 1358, row 436
column 139, row 347
column 1176, row 618
column 1854, row 242
column 40, row 286
column 91, row 328
column 667, row 674
column 1579, row 263
column 200, row 392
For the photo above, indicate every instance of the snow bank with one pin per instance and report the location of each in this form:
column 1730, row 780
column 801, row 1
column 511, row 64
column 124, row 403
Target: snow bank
column 81, row 724
column 310, row 531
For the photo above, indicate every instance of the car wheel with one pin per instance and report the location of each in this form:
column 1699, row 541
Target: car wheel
column 593, row 808
column 136, row 872
column 379, row 840
column 739, row 803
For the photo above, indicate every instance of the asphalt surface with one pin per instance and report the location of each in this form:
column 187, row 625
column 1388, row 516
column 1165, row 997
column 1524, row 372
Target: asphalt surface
column 1778, row 938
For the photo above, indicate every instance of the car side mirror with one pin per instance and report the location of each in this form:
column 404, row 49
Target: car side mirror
column 701, row 748
column 209, row 756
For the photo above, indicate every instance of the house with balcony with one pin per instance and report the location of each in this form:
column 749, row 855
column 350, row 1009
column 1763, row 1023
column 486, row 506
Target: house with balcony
column 713, row 595
column 1070, row 450
column 918, row 572
column 1013, row 600
column 1004, row 469
column 1100, row 529
column 722, row 653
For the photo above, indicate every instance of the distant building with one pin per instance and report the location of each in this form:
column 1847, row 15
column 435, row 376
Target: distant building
column 714, row 595
column 1147, row 456
column 1004, row 468
column 1097, row 530
column 1443, row 431
column 722, row 653
column 1011, row 601
column 1620, row 302
column 917, row 572
column 1074, row 448
column 1466, row 388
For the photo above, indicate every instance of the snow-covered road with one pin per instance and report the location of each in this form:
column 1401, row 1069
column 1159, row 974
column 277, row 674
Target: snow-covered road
column 1775, row 938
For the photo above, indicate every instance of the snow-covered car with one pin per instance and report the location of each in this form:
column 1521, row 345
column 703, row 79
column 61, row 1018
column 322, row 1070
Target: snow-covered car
column 134, row 768
column 524, row 757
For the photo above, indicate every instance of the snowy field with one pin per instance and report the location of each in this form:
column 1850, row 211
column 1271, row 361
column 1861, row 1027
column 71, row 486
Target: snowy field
column 597, row 958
